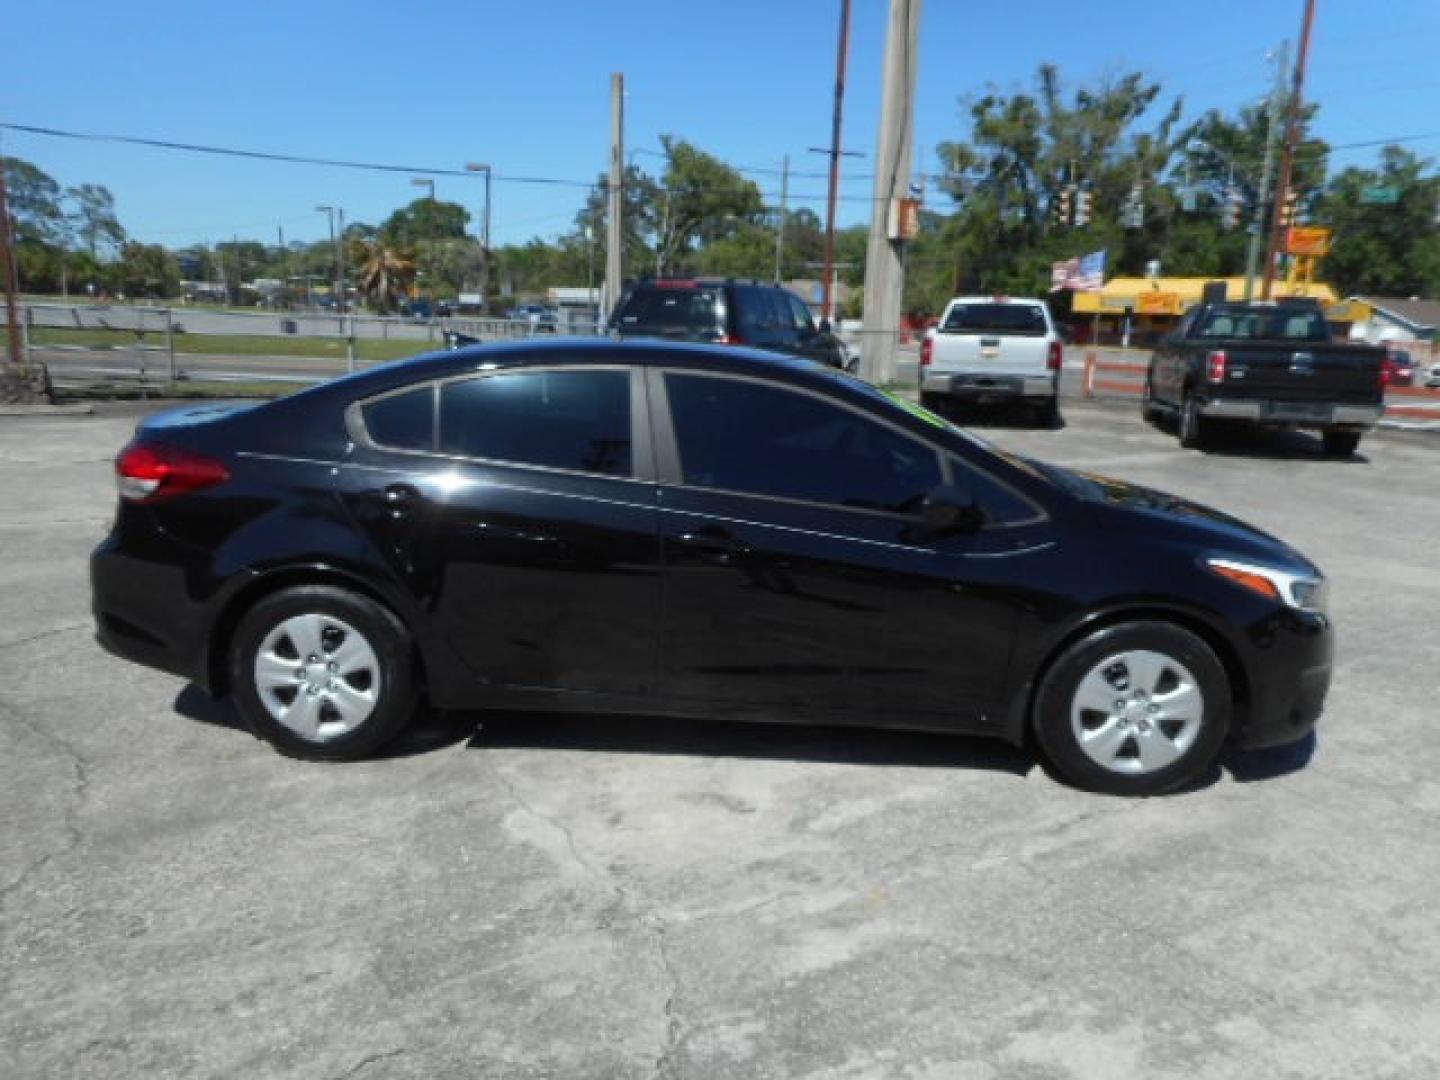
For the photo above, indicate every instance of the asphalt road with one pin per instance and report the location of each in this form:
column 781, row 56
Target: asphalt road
column 543, row 897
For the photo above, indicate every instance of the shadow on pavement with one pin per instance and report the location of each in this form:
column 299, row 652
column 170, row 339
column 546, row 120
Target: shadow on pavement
column 722, row 739
column 1008, row 416
column 1250, row 440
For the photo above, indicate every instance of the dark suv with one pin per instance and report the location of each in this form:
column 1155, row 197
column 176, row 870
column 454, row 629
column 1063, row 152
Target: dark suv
column 727, row 311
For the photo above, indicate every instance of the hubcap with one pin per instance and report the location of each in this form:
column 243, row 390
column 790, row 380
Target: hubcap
column 1137, row 712
column 318, row 676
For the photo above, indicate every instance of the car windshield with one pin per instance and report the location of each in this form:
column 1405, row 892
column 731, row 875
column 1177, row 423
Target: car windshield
column 1026, row 320
column 1283, row 324
column 670, row 309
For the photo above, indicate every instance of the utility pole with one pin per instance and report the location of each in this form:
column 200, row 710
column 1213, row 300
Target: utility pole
column 827, row 299
column 614, row 267
column 12, row 283
column 1287, row 162
column 329, row 211
column 884, row 262
column 780, row 223
column 340, row 257
column 484, row 231
column 1267, row 172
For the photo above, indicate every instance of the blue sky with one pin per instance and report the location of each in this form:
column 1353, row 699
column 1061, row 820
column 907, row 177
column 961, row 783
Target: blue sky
column 525, row 87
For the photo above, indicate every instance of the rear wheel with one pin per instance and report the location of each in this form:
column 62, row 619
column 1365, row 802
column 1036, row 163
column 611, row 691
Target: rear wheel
column 1340, row 443
column 936, row 403
column 323, row 673
column 1134, row 709
column 1047, row 413
column 1194, row 428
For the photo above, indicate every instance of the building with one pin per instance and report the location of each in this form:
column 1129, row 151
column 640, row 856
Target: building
column 1138, row 310
column 1383, row 318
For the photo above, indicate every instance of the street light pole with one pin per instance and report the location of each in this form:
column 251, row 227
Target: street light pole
column 479, row 167
column 329, row 212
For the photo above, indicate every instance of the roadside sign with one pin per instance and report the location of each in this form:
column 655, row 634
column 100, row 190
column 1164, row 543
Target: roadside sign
column 1380, row 196
column 904, row 219
column 1307, row 240
column 1156, row 302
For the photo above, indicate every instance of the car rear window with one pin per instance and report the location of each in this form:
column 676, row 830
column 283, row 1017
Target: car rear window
column 404, row 421
column 1283, row 324
column 1025, row 320
column 687, row 309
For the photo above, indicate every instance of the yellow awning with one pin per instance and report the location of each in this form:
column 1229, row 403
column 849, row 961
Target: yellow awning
column 1172, row 295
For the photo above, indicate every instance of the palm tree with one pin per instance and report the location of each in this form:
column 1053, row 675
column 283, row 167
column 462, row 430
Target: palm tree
column 384, row 274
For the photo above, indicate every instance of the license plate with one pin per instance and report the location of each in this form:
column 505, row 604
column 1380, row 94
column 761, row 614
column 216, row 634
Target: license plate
column 989, row 350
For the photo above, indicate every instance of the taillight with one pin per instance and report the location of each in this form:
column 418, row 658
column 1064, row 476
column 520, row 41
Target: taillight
column 732, row 339
column 927, row 350
column 1388, row 370
column 1056, row 356
column 1215, row 366
column 147, row 473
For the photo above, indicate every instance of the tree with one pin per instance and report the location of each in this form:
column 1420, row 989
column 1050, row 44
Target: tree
column 94, row 218
column 703, row 200
column 383, row 275
column 146, row 270
column 34, row 201
column 425, row 219
column 1389, row 248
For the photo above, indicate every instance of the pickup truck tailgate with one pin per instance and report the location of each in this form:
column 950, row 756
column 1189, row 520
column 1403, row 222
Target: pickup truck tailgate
column 1329, row 372
column 980, row 351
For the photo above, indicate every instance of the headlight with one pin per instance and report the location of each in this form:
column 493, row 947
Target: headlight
column 1306, row 592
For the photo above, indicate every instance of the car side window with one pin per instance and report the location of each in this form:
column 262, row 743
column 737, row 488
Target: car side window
column 755, row 316
column 1003, row 506
column 745, row 436
column 578, row 420
column 800, row 314
column 403, row 421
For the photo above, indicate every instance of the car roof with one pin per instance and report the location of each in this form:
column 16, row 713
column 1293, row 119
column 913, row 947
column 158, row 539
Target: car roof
column 574, row 351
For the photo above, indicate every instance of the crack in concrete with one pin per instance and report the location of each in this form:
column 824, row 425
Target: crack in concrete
column 79, row 793
column 653, row 924
column 366, row 1062
column 43, row 634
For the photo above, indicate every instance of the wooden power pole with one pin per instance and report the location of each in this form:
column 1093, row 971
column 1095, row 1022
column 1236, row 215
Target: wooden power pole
column 12, row 284
column 1287, row 161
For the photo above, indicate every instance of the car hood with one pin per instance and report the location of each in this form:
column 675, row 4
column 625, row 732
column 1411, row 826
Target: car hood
column 1121, row 505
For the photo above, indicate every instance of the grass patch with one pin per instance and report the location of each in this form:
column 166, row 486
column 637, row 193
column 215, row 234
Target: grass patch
column 366, row 349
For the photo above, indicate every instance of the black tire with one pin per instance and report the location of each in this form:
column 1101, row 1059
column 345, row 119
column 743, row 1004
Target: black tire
column 1193, row 428
column 1047, row 413
column 1340, row 444
column 936, row 403
column 387, row 681
column 1054, row 718
column 1149, row 411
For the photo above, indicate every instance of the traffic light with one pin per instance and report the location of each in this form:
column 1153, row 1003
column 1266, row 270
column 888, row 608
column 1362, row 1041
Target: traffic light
column 1083, row 200
column 1231, row 207
column 1062, row 206
column 1289, row 209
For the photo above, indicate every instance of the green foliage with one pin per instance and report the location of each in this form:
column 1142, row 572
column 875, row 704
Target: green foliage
column 146, row 271
column 424, row 219
column 1389, row 249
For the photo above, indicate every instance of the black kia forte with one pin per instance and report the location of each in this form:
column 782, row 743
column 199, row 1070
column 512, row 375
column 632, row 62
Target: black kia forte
column 692, row 531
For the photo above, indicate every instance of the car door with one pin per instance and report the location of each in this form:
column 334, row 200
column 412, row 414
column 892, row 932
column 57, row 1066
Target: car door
column 527, row 528
column 810, row 343
column 791, row 575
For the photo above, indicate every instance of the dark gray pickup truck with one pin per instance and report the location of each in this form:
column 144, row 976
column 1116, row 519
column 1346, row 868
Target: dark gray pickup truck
column 1264, row 363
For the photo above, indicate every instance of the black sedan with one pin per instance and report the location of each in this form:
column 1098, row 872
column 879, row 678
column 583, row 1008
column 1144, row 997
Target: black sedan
column 695, row 531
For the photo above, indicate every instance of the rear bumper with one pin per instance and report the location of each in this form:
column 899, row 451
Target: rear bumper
column 988, row 385
column 144, row 613
column 1292, row 653
column 1285, row 412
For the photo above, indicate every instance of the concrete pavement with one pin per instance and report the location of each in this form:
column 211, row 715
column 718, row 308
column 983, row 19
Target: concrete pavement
column 547, row 897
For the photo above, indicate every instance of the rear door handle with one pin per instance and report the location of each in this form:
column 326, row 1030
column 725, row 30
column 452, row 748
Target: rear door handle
column 714, row 542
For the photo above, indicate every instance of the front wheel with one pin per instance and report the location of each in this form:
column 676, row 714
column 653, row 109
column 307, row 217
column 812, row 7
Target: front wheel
column 323, row 673
column 1134, row 709
column 1340, row 443
column 1148, row 409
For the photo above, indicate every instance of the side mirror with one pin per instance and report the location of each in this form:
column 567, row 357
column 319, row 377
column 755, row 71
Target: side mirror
column 947, row 509
column 825, row 327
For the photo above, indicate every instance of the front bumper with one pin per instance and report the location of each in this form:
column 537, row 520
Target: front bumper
column 1290, row 661
column 981, row 385
column 1293, row 412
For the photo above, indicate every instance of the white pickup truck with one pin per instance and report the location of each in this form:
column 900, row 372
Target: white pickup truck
column 990, row 349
